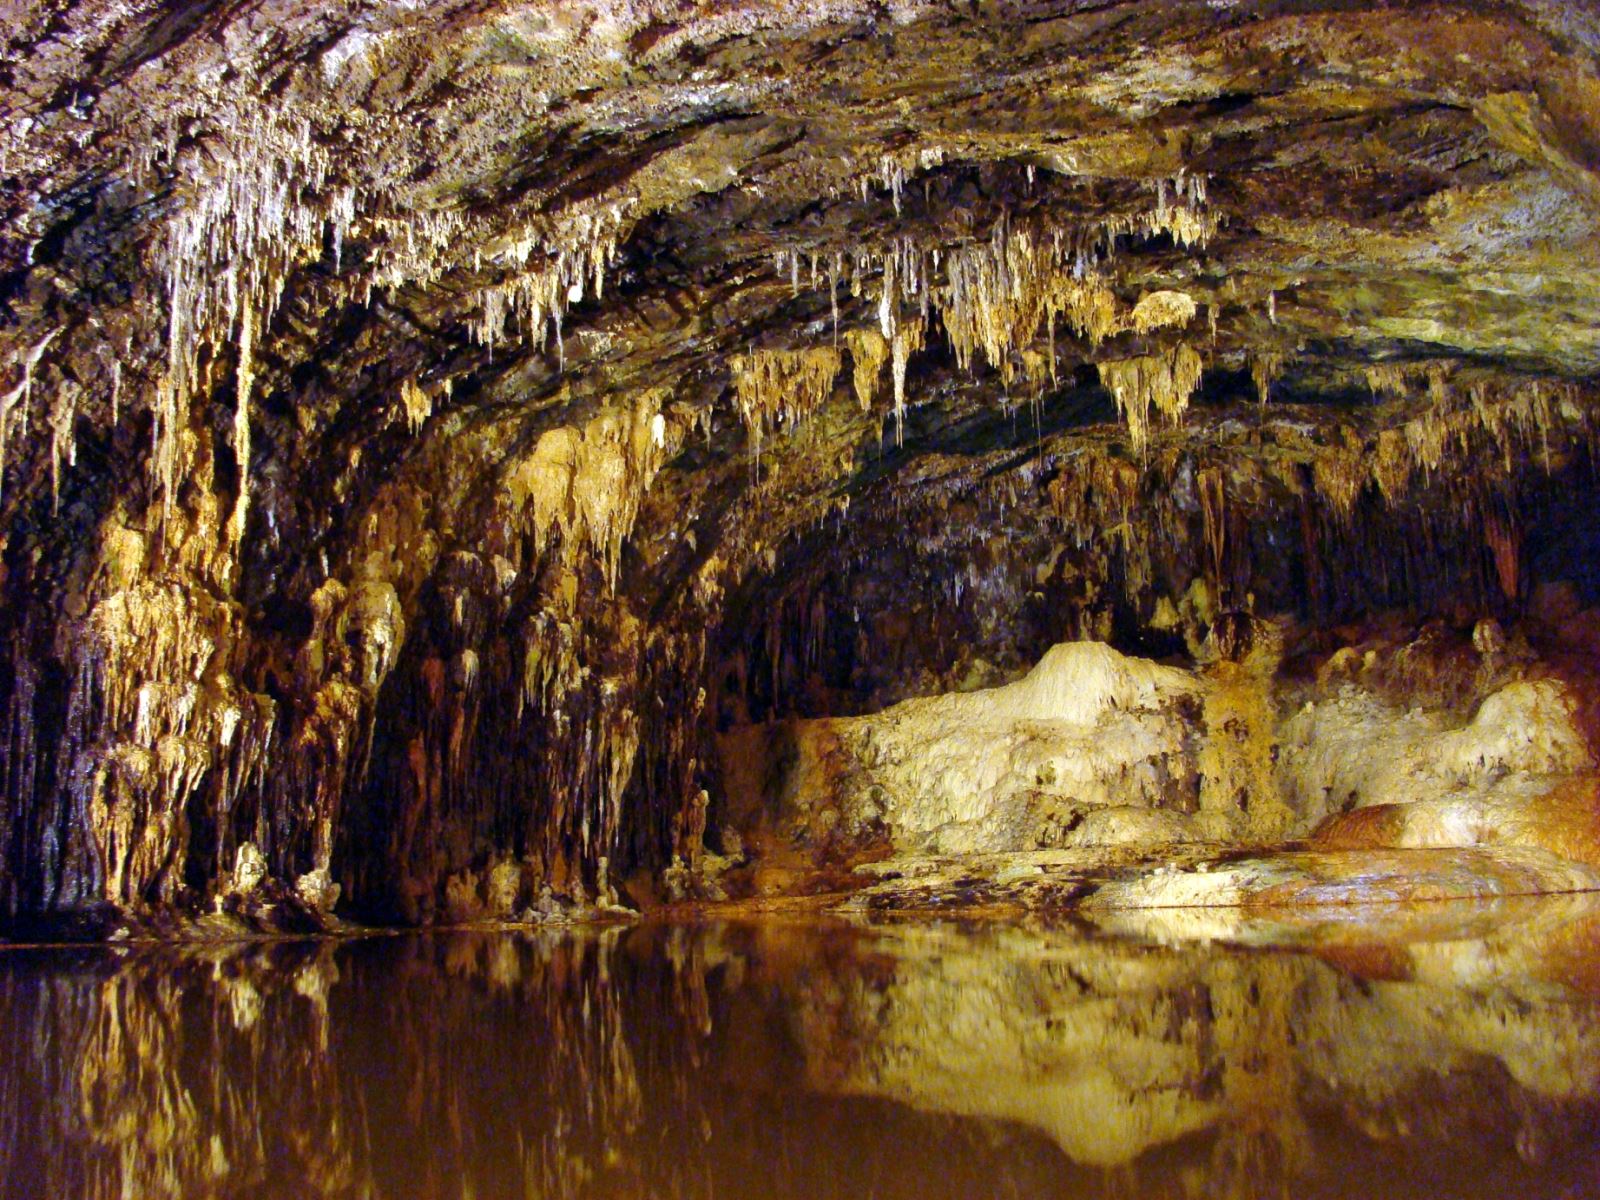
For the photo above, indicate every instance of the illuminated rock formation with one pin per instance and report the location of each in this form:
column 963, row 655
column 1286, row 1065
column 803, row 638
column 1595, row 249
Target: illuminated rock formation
column 428, row 432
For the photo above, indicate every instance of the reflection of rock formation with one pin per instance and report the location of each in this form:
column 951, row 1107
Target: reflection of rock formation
column 791, row 1060
column 1114, row 1050
column 151, row 1081
column 282, row 1072
column 1099, row 1051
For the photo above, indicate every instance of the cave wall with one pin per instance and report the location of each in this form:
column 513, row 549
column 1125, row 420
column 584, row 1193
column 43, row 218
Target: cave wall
column 422, row 430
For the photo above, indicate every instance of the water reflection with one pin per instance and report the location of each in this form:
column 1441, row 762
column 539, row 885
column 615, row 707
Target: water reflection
column 1457, row 1054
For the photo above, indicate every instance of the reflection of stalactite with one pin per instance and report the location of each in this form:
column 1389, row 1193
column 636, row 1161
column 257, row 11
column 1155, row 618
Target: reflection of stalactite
column 611, row 1063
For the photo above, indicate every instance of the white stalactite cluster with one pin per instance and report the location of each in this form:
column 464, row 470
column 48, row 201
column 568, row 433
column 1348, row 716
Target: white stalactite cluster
column 576, row 252
column 250, row 210
column 998, row 296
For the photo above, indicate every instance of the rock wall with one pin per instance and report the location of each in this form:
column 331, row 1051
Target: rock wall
column 422, row 431
column 1439, row 741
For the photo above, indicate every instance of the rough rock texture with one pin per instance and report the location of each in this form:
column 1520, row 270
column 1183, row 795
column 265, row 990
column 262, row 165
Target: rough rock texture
column 1168, row 778
column 1086, row 734
column 423, row 428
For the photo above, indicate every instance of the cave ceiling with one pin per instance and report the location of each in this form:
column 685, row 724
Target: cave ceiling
column 332, row 319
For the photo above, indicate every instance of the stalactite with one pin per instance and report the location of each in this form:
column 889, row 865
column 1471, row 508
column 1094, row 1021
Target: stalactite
column 907, row 341
column 1163, row 381
column 588, row 484
column 1393, row 465
column 1160, row 310
column 1505, row 546
column 1339, row 476
column 241, row 422
column 158, row 719
column 62, row 418
column 997, row 296
column 1213, row 509
column 1392, row 380
column 17, row 400
column 252, row 211
column 1180, row 211
column 576, row 250
column 1265, row 369
column 1002, row 293
column 868, row 352
column 416, row 404
column 777, row 386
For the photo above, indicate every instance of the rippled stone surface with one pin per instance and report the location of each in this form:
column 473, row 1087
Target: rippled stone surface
column 1442, row 1051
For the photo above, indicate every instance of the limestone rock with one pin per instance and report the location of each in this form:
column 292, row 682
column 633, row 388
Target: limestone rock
column 317, row 891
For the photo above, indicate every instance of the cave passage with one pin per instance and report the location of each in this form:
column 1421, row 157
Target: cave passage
column 620, row 464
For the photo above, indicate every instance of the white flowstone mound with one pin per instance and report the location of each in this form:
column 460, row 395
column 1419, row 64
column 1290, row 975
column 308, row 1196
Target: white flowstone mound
column 1088, row 733
column 1354, row 751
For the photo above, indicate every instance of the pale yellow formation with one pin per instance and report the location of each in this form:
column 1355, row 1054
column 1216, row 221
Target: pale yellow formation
column 1265, row 370
column 1087, row 748
column 1392, row 380
column 1163, row 381
column 416, row 404
column 907, row 341
column 1159, row 310
column 999, row 295
column 226, row 255
column 241, row 423
column 1520, row 415
column 1003, row 293
column 868, row 352
column 173, row 720
column 1239, row 795
column 1353, row 751
column 777, row 386
column 1339, row 476
column 588, row 484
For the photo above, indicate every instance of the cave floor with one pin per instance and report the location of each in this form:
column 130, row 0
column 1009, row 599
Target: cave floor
column 1421, row 1049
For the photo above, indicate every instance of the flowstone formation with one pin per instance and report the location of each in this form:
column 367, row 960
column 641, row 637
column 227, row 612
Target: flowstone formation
column 432, row 436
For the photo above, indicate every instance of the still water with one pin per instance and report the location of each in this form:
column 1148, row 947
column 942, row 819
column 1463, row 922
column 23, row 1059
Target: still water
column 1456, row 1056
